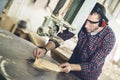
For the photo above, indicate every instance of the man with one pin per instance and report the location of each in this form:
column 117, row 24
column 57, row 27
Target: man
column 95, row 41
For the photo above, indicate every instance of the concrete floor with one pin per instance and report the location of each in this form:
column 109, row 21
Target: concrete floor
column 104, row 77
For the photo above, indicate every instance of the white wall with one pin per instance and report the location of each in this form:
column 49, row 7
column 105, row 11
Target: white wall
column 31, row 12
column 83, row 14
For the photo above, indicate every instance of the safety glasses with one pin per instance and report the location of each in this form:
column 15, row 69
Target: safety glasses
column 92, row 22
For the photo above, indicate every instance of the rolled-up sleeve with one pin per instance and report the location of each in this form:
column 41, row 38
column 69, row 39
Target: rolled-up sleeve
column 65, row 35
column 61, row 37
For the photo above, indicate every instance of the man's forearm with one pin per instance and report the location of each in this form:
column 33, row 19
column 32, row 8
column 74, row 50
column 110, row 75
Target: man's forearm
column 75, row 67
column 50, row 45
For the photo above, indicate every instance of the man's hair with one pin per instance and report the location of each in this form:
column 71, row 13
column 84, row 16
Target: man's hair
column 99, row 9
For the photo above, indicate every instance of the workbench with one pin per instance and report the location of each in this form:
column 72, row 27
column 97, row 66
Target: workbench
column 16, row 58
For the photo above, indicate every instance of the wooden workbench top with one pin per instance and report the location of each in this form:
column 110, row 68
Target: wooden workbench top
column 16, row 60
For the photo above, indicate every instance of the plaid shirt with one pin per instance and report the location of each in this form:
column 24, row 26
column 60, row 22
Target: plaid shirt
column 91, row 51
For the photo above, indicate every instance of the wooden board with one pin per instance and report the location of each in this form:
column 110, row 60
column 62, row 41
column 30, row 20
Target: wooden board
column 45, row 64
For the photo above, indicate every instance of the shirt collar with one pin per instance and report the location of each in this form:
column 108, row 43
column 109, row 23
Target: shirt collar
column 99, row 33
column 102, row 32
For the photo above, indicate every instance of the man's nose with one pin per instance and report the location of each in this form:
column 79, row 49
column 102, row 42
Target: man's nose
column 87, row 24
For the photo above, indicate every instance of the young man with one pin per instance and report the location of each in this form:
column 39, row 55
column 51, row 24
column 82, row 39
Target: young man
column 95, row 41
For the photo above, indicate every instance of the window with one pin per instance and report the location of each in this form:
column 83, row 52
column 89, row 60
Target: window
column 73, row 10
column 70, row 13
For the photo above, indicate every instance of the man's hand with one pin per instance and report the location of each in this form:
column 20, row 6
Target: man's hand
column 39, row 52
column 67, row 67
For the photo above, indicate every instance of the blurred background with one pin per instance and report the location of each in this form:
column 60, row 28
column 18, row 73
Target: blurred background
column 33, row 14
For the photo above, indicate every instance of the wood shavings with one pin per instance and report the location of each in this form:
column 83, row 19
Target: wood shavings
column 1, row 57
column 5, row 36
column 44, row 64
column 111, row 70
column 2, row 67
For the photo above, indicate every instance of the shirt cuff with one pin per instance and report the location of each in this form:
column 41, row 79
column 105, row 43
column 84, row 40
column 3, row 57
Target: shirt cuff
column 84, row 67
column 56, row 43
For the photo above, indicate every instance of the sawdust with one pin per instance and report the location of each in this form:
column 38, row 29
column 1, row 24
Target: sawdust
column 112, row 70
column 5, row 36
column 2, row 68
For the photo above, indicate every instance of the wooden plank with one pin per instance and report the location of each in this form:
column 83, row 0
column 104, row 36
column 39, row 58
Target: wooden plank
column 45, row 64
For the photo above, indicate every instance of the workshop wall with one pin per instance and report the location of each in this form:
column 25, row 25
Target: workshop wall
column 2, row 4
column 32, row 11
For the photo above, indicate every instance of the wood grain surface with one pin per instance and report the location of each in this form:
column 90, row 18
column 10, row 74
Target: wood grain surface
column 16, row 59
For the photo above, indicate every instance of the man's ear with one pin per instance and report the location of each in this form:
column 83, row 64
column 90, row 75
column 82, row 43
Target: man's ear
column 102, row 23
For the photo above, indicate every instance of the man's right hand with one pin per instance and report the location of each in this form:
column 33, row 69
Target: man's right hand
column 42, row 50
column 39, row 52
